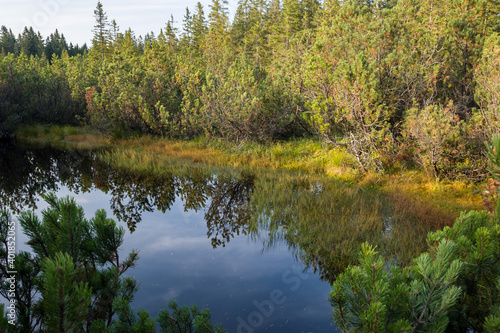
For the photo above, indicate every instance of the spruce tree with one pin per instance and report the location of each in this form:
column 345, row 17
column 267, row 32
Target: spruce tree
column 115, row 30
column 30, row 43
column 171, row 34
column 101, row 30
column 241, row 22
column 218, row 22
column 275, row 27
column 187, row 27
column 55, row 44
column 7, row 41
column 310, row 14
column 249, row 28
column 199, row 27
column 292, row 19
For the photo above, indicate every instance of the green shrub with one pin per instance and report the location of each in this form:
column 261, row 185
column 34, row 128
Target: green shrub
column 455, row 286
column 452, row 286
column 73, row 281
column 445, row 145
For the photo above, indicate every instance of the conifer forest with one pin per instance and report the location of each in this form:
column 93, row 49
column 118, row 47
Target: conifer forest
column 394, row 81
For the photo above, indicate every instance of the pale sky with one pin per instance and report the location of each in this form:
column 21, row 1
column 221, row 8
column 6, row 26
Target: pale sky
column 75, row 18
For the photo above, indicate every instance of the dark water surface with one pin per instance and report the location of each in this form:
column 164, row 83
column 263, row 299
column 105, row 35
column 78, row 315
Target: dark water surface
column 260, row 249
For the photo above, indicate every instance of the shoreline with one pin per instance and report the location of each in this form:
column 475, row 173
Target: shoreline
column 303, row 155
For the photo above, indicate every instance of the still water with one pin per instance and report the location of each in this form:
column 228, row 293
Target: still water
column 259, row 249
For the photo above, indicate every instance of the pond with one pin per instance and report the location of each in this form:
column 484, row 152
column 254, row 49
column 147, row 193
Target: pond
column 259, row 248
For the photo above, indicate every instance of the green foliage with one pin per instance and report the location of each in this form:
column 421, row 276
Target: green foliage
column 7, row 41
column 492, row 322
column 377, row 296
column 452, row 287
column 77, row 260
column 186, row 319
column 487, row 78
column 137, row 93
column 434, row 132
column 371, row 296
column 34, row 92
column 494, row 157
column 128, row 321
column 360, row 74
column 476, row 235
column 101, row 31
column 73, row 282
column 344, row 74
column 30, row 43
column 433, row 293
column 5, row 327
column 240, row 104
column 55, row 45
column 65, row 299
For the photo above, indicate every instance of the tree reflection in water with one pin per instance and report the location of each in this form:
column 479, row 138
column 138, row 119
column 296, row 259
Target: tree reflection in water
column 323, row 222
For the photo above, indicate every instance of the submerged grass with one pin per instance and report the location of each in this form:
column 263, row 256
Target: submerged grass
column 325, row 221
column 438, row 202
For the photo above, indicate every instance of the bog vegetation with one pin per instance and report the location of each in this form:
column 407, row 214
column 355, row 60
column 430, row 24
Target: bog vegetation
column 405, row 83
column 398, row 83
column 73, row 279
column 453, row 287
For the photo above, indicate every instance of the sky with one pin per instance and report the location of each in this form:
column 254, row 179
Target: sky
column 75, row 18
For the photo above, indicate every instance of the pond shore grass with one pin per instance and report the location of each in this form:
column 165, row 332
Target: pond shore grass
column 442, row 198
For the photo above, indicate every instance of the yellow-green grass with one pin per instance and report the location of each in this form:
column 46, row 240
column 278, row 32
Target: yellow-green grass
column 301, row 155
column 63, row 136
column 146, row 152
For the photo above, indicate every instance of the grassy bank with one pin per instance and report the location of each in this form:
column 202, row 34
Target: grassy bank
column 143, row 153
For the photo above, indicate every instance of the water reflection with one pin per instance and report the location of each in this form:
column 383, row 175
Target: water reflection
column 321, row 221
column 25, row 173
column 324, row 223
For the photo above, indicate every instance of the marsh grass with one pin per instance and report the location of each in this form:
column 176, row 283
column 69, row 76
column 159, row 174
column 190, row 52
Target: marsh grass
column 423, row 211
column 304, row 193
column 145, row 162
column 62, row 136
column 449, row 197
column 144, row 152
column 299, row 155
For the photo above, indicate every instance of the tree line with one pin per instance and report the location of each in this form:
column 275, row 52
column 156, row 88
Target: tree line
column 398, row 83
column 32, row 43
